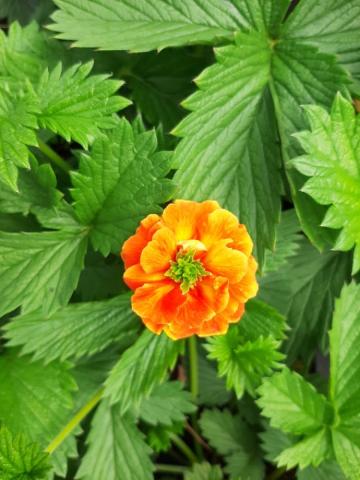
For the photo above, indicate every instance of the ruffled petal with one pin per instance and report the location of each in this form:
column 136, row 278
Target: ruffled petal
column 226, row 262
column 215, row 292
column 248, row 287
column 159, row 252
column 135, row 276
column 216, row 326
column 146, row 299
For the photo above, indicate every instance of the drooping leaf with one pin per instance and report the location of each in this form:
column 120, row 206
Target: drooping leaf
column 332, row 160
column 20, row 459
column 116, row 448
column 77, row 330
column 127, row 384
column 167, row 404
column 39, row 270
column 204, row 471
column 229, row 151
column 37, row 402
column 118, row 184
column 292, row 404
column 344, row 353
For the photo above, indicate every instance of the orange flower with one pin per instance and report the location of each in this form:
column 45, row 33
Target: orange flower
column 191, row 269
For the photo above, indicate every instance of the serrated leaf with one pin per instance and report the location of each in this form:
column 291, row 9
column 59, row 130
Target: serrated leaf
column 13, row 222
column 204, row 471
column 76, row 105
column 244, row 362
column 119, row 183
column 292, row 404
column 332, row 160
column 39, row 270
column 25, row 10
column 36, row 401
column 115, row 448
column 304, row 290
column 346, row 442
column 325, row 471
column 286, row 242
column 333, row 26
column 229, row 151
column 261, row 320
column 344, row 353
column 167, row 404
column 77, row 330
column 20, row 459
column 274, row 441
column 128, row 384
column 312, row 450
column 241, row 466
column 212, row 389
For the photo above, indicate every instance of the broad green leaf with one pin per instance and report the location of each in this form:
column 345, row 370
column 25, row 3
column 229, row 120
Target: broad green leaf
column 344, row 353
column 286, row 243
column 325, row 471
column 304, row 291
column 14, row 222
column 116, row 448
column 39, row 270
column 25, row 10
column 77, row 330
column 204, row 471
column 118, row 184
column 346, row 442
column 20, row 459
column 167, row 404
column 312, row 450
column 143, row 366
column 17, row 121
column 241, row 466
column 292, row 404
column 76, row 105
column 332, row 160
column 333, row 26
column 36, row 401
column 36, row 190
column 274, row 441
column 244, row 361
column 146, row 24
column 302, row 75
column 212, row 388
column 230, row 151
column 159, row 437
column 263, row 320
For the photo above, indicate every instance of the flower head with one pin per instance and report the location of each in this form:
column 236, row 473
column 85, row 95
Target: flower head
column 191, row 269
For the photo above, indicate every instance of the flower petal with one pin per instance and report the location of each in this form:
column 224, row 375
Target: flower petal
column 158, row 253
column 226, row 262
column 135, row 277
column 216, row 326
column 146, row 299
column 248, row 287
column 215, row 292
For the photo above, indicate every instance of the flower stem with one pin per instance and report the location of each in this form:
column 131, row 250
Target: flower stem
column 74, row 422
column 170, row 468
column 194, row 374
column 53, row 156
column 183, row 447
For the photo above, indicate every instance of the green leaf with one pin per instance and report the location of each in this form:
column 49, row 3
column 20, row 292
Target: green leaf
column 304, row 291
column 25, row 10
column 325, row 471
column 21, row 459
column 292, row 404
column 286, row 244
column 244, row 359
column 302, row 75
column 344, row 353
column 204, row 471
column 77, row 330
column 17, row 121
column 39, row 270
column 332, row 26
column 76, row 105
column 146, row 25
column 332, row 160
column 36, row 190
column 263, row 320
column 230, row 151
column 274, row 441
column 167, row 404
column 346, row 442
column 115, row 448
column 119, row 183
column 36, row 401
column 128, row 384
column 230, row 436
column 312, row 450
column 13, row 222
column 212, row 389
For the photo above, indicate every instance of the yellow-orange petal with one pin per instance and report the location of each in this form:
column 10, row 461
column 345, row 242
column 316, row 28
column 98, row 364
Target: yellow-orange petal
column 248, row 287
column 215, row 292
column 216, row 326
column 226, row 262
column 135, row 277
column 135, row 244
column 146, row 298
column 159, row 252
column 184, row 217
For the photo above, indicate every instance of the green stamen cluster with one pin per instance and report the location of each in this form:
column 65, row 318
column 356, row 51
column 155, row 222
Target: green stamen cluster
column 186, row 270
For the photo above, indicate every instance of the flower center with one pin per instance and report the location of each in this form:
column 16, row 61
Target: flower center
column 186, row 270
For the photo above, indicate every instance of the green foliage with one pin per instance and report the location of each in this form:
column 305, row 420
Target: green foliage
column 21, row 459
column 204, row 471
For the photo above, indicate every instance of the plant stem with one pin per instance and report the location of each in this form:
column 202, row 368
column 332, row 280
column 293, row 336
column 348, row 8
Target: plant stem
column 53, row 156
column 184, row 448
column 170, row 468
column 74, row 422
column 194, row 374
